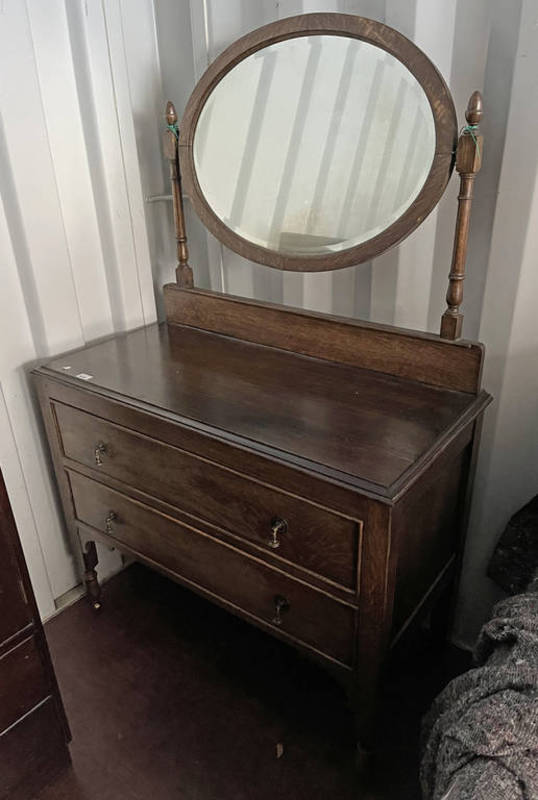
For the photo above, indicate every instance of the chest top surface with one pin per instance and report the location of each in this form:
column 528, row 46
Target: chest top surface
column 358, row 426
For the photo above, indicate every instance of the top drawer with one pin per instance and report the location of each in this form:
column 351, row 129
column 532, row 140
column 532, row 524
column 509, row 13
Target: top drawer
column 310, row 536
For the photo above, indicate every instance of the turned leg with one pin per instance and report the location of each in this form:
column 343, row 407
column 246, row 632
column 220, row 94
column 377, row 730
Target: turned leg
column 89, row 554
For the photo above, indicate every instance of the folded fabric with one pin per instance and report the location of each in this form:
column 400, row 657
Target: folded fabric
column 480, row 738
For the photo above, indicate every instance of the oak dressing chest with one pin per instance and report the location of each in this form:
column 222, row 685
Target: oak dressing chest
column 309, row 473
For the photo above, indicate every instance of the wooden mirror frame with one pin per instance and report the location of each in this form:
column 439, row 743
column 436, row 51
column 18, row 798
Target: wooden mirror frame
column 331, row 24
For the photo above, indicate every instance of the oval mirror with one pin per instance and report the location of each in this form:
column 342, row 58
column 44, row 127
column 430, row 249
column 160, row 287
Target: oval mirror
column 317, row 142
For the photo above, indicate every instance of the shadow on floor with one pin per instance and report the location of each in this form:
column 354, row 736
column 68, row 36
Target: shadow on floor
column 172, row 698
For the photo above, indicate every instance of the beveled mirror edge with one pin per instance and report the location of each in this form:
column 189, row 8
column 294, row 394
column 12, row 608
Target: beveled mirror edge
column 390, row 237
column 351, row 26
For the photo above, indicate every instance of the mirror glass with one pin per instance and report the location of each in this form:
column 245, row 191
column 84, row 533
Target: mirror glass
column 314, row 144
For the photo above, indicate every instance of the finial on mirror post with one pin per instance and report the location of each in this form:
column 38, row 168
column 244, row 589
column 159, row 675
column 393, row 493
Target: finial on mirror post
column 171, row 114
column 468, row 163
column 184, row 276
column 474, row 111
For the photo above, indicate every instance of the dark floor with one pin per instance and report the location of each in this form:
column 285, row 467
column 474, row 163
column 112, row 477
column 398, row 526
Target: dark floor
column 171, row 697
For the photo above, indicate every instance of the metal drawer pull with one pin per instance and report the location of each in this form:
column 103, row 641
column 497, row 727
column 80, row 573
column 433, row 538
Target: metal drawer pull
column 281, row 606
column 278, row 528
column 100, row 449
column 108, row 522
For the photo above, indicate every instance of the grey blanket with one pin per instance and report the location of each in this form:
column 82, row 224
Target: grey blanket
column 480, row 738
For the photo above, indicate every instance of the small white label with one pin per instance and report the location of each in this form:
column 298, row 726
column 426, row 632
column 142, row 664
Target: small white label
column 66, row 367
column 84, row 376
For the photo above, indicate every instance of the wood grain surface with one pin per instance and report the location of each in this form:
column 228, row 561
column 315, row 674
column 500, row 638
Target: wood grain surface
column 418, row 356
column 310, row 411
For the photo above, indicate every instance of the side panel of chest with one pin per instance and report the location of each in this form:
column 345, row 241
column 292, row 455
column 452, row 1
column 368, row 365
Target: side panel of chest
column 33, row 727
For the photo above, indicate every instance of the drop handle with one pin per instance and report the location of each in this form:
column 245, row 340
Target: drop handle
column 281, row 606
column 278, row 528
column 100, row 450
column 111, row 517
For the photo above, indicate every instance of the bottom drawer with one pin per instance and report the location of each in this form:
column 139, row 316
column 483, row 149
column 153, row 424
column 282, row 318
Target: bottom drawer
column 32, row 752
column 299, row 611
column 22, row 682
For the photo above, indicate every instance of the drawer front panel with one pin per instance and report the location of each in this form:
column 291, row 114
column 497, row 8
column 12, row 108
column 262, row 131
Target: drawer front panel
column 15, row 612
column 314, row 538
column 32, row 752
column 22, row 682
column 305, row 614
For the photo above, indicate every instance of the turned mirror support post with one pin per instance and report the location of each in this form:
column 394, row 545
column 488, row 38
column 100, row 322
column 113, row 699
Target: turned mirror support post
column 170, row 146
column 468, row 162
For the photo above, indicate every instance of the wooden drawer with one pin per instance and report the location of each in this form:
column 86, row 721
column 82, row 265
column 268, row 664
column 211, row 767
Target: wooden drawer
column 32, row 752
column 315, row 538
column 15, row 612
column 313, row 617
column 22, row 682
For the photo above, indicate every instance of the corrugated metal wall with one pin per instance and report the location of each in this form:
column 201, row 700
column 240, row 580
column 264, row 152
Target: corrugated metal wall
column 75, row 259
column 83, row 255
